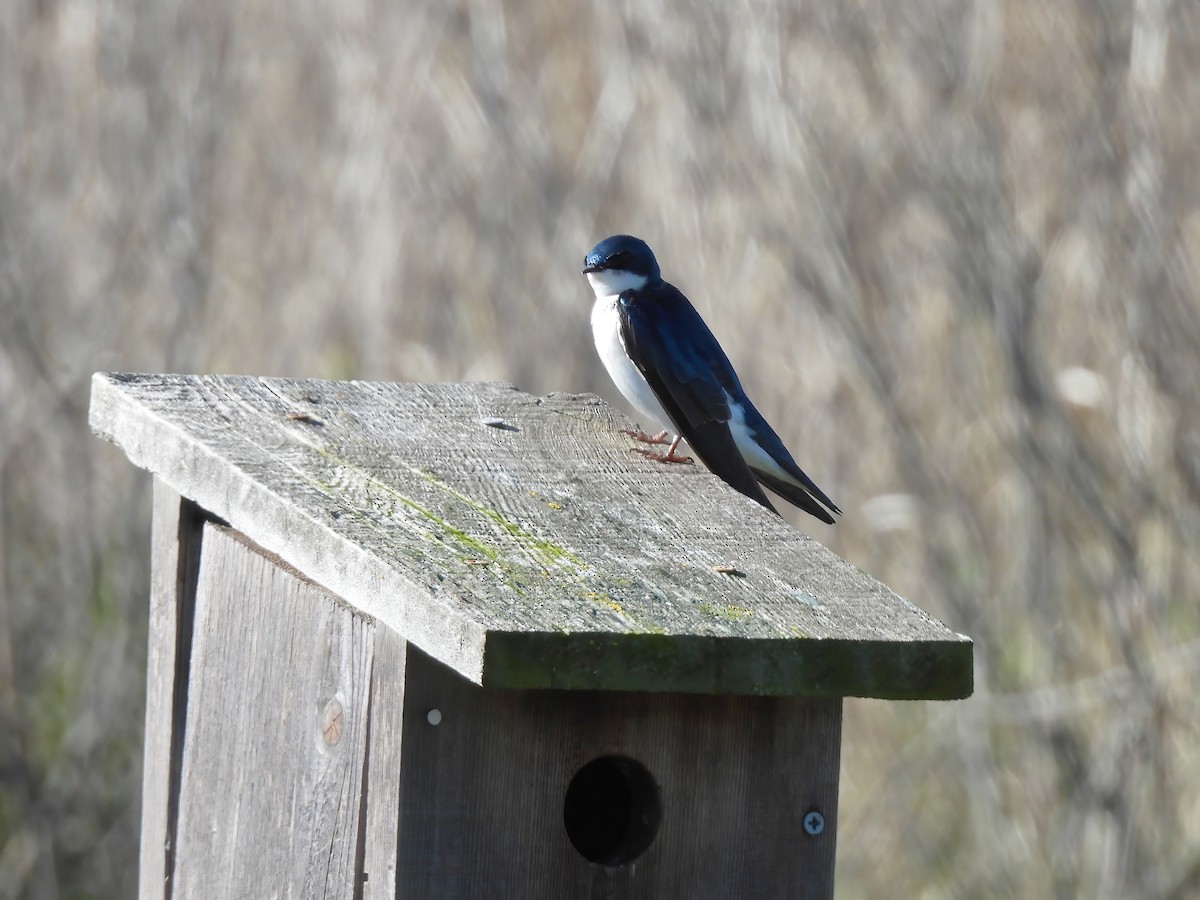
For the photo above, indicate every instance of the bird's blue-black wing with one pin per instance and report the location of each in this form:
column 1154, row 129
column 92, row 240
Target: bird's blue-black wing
column 691, row 376
column 801, row 491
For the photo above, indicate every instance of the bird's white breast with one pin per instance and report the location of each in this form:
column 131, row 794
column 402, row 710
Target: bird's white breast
column 606, row 329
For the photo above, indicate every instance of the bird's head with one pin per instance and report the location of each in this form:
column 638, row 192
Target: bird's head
column 620, row 263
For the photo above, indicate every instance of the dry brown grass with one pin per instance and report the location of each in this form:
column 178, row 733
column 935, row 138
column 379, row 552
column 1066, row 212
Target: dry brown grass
column 962, row 242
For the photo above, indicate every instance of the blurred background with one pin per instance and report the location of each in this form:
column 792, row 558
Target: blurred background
column 953, row 249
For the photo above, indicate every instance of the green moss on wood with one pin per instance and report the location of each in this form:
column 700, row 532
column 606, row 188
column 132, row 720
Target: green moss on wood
column 914, row 670
column 726, row 612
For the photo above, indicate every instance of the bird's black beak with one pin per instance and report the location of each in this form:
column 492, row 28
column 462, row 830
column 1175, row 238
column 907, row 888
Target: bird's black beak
column 591, row 267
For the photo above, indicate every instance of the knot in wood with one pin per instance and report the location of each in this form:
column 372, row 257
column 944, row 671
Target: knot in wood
column 332, row 723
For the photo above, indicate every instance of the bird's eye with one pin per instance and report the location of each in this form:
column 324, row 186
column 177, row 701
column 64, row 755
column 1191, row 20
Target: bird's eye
column 617, row 259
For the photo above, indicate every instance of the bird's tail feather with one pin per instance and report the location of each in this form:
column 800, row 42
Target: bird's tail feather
column 798, row 495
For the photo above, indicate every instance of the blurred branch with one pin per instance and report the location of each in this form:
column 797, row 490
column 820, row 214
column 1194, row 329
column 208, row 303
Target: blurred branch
column 1104, row 691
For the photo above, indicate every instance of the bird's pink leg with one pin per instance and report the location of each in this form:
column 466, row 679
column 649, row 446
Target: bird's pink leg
column 669, row 457
column 639, row 435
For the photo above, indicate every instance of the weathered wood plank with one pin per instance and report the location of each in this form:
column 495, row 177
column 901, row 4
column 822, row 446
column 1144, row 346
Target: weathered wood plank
column 383, row 766
column 277, row 732
column 517, row 540
column 177, row 528
column 484, row 790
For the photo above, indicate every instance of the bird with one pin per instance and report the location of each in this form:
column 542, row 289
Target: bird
column 666, row 362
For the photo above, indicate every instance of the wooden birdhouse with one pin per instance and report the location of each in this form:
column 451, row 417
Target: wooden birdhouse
column 457, row 641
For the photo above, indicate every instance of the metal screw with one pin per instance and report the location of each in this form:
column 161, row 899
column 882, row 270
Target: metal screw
column 434, row 717
column 814, row 823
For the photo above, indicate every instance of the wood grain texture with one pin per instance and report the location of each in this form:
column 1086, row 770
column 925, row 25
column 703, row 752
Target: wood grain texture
column 270, row 801
column 517, row 540
column 484, row 790
column 177, row 528
column 383, row 766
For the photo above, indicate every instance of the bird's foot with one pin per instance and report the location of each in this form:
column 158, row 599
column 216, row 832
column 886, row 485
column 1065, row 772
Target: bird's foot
column 639, row 435
column 669, row 457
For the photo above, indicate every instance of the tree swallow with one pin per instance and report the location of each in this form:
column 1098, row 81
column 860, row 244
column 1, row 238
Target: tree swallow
column 667, row 363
